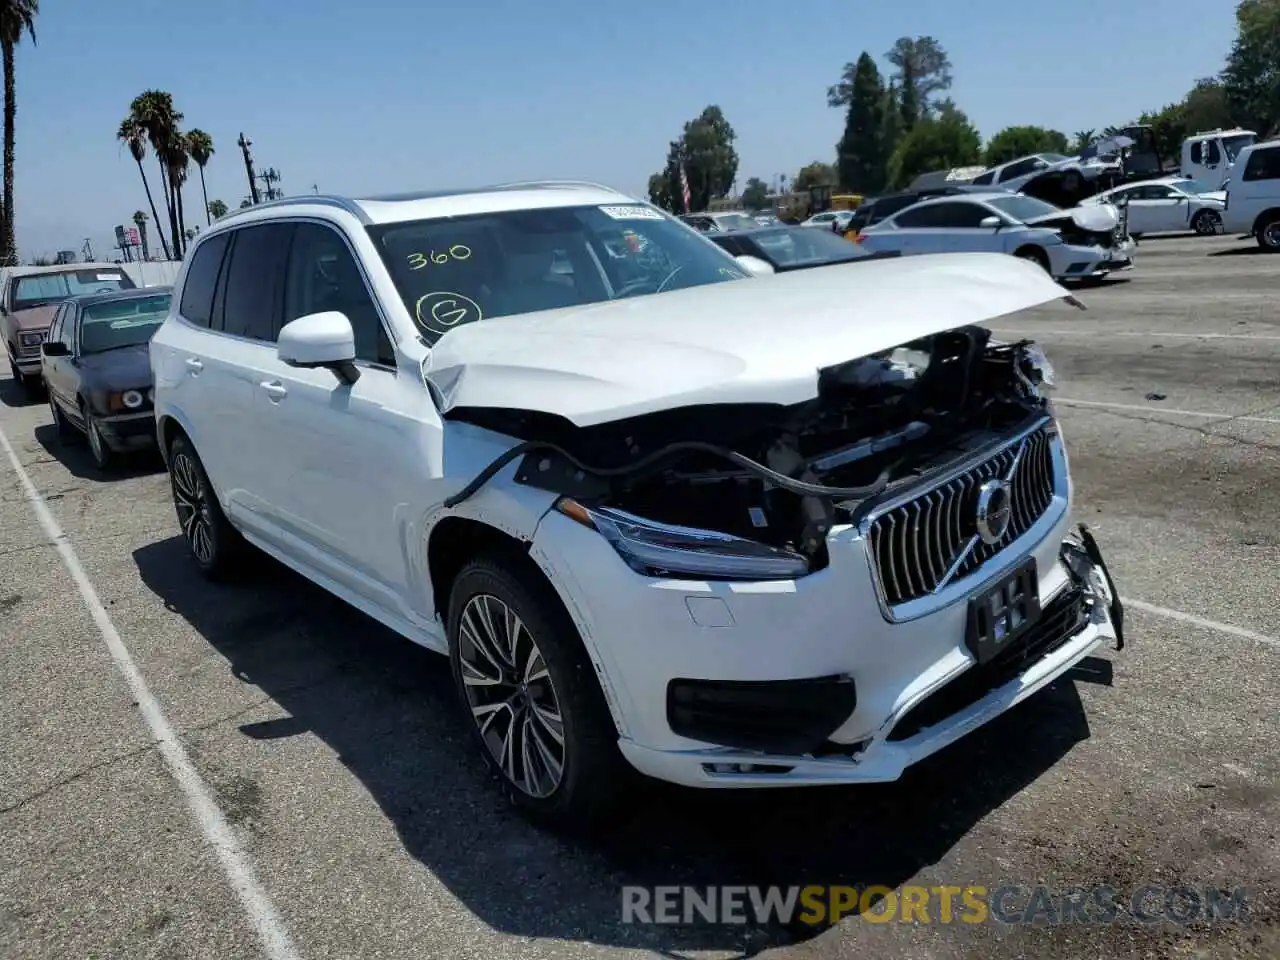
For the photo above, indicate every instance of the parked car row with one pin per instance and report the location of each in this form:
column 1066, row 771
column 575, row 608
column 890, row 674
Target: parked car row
column 662, row 515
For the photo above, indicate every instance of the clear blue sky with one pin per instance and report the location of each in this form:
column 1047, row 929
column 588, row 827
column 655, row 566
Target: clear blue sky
column 385, row 95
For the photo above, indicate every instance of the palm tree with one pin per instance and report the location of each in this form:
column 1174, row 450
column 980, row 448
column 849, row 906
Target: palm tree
column 16, row 18
column 155, row 111
column 216, row 209
column 178, row 160
column 140, row 220
column 1084, row 138
column 134, row 135
column 200, row 147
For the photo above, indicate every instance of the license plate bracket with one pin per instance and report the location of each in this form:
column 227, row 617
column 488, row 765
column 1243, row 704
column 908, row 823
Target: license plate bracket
column 1003, row 611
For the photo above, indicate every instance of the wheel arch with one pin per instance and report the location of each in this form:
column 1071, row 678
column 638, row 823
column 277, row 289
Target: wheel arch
column 1265, row 217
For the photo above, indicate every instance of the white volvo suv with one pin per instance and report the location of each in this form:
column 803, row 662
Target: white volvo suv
column 661, row 514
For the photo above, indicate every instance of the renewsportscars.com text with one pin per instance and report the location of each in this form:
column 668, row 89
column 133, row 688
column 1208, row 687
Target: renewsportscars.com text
column 972, row 904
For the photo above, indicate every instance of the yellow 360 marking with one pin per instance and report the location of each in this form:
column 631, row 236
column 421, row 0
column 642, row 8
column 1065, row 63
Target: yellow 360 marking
column 457, row 252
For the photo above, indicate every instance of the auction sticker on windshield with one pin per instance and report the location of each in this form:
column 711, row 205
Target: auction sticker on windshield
column 631, row 213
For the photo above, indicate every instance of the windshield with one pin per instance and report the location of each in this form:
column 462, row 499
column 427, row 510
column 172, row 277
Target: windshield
column 1233, row 145
column 1052, row 157
column 1191, row 186
column 41, row 288
column 1023, row 208
column 121, row 323
column 736, row 221
column 797, row 247
column 462, row 269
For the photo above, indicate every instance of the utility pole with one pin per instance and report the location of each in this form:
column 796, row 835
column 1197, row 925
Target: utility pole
column 245, row 143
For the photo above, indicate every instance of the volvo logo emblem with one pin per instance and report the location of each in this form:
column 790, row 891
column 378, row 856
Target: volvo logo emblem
column 995, row 510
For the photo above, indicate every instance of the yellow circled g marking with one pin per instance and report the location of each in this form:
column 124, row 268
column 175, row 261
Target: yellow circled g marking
column 441, row 311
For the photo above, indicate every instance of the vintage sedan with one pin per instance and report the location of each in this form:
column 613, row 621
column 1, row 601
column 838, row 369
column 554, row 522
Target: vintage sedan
column 96, row 368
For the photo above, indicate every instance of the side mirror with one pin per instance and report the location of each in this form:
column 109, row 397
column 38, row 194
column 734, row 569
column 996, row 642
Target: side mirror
column 320, row 340
column 54, row 348
column 991, row 223
column 755, row 266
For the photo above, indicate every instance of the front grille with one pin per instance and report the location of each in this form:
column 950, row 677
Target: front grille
column 1061, row 620
column 922, row 545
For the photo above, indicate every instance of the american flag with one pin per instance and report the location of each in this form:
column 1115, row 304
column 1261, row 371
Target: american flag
column 684, row 190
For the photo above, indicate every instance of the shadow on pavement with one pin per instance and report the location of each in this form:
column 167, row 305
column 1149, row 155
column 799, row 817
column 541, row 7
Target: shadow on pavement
column 12, row 393
column 387, row 708
column 75, row 456
column 1250, row 251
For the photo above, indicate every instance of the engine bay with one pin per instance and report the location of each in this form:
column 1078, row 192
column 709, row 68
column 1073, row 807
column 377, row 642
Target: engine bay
column 878, row 423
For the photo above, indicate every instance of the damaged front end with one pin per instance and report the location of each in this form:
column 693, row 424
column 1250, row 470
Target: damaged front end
column 751, row 491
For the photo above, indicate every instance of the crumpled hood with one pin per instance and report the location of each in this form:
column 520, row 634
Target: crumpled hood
column 1219, row 195
column 34, row 318
column 761, row 340
column 125, row 368
column 1098, row 217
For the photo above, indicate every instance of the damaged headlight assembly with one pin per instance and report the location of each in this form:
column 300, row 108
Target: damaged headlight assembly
column 652, row 548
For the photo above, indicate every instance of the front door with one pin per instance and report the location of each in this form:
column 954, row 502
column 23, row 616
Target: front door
column 354, row 464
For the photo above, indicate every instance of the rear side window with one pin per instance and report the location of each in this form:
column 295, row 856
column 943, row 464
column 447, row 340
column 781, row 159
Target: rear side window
column 196, row 305
column 1263, row 165
column 985, row 178
column 251, row 303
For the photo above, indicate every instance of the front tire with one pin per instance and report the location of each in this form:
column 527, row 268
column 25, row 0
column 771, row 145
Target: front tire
column 1035, row 255
column 1206, row 223
column 215, row 545
column 530, row 695
column 102, row 453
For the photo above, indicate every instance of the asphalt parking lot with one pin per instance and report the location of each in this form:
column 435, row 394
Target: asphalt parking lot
column 332, row 751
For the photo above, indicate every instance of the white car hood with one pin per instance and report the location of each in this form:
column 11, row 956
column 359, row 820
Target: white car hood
column 758, row 340
column 1218, row 196
column 1099, row 217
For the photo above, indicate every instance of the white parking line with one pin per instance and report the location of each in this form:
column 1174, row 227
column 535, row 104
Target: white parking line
column 1063, row 332
column 1199, row 621
column 262, row 914
column 1171, row 411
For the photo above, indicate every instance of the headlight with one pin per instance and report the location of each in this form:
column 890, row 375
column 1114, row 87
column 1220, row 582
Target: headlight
column 131, row 399
column 32, row 339
column 660, row 549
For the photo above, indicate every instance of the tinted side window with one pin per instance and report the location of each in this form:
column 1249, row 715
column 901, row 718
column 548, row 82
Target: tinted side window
column 1215, row 153
column 1263, row 165
column 939, row 215
column 251, row 304
column 196, row 305
column 1197, row 152
column 55, row 328
column 1018, row 169
column 322, row 275
column 984, row 179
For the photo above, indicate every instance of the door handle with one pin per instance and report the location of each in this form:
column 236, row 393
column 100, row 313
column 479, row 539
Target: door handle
column 194, row 365
column 274, row 389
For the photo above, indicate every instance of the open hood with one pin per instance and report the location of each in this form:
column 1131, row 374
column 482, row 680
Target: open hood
column 1094, row 217
column 757, row 341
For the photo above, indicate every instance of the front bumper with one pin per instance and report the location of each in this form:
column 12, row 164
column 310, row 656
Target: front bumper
column 129, row 431
column 1073, row 262
column 909, row 688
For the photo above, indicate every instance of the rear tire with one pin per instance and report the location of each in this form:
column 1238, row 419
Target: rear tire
column 1268, row 235
column 214, row 543
column 518, row 664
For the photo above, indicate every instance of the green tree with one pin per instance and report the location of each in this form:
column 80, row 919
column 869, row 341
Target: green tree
column 245, row 203
column 816, row 174
column 140, row 221
column 755, row 195
column 860, row 154
column 890, row 129
column 1168, row 129
column 908, row 99
column 937, row 143
column 17, row 17
column 1082, row 139
column 134, row 136
column 660, row 192
column 1014, row 142
column 923, row 70
column 706, row 154
column 200, row 147
column 153, row 110
column 1251, row 80
column 216, row 209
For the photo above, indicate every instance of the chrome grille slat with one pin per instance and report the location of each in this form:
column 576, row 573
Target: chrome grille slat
column 918, row 547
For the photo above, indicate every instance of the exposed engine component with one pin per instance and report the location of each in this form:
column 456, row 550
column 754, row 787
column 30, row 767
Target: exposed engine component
column 784, row 476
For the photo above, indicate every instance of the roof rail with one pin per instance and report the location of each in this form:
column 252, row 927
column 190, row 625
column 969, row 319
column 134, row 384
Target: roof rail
column 324, row 200
column 558, row 183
